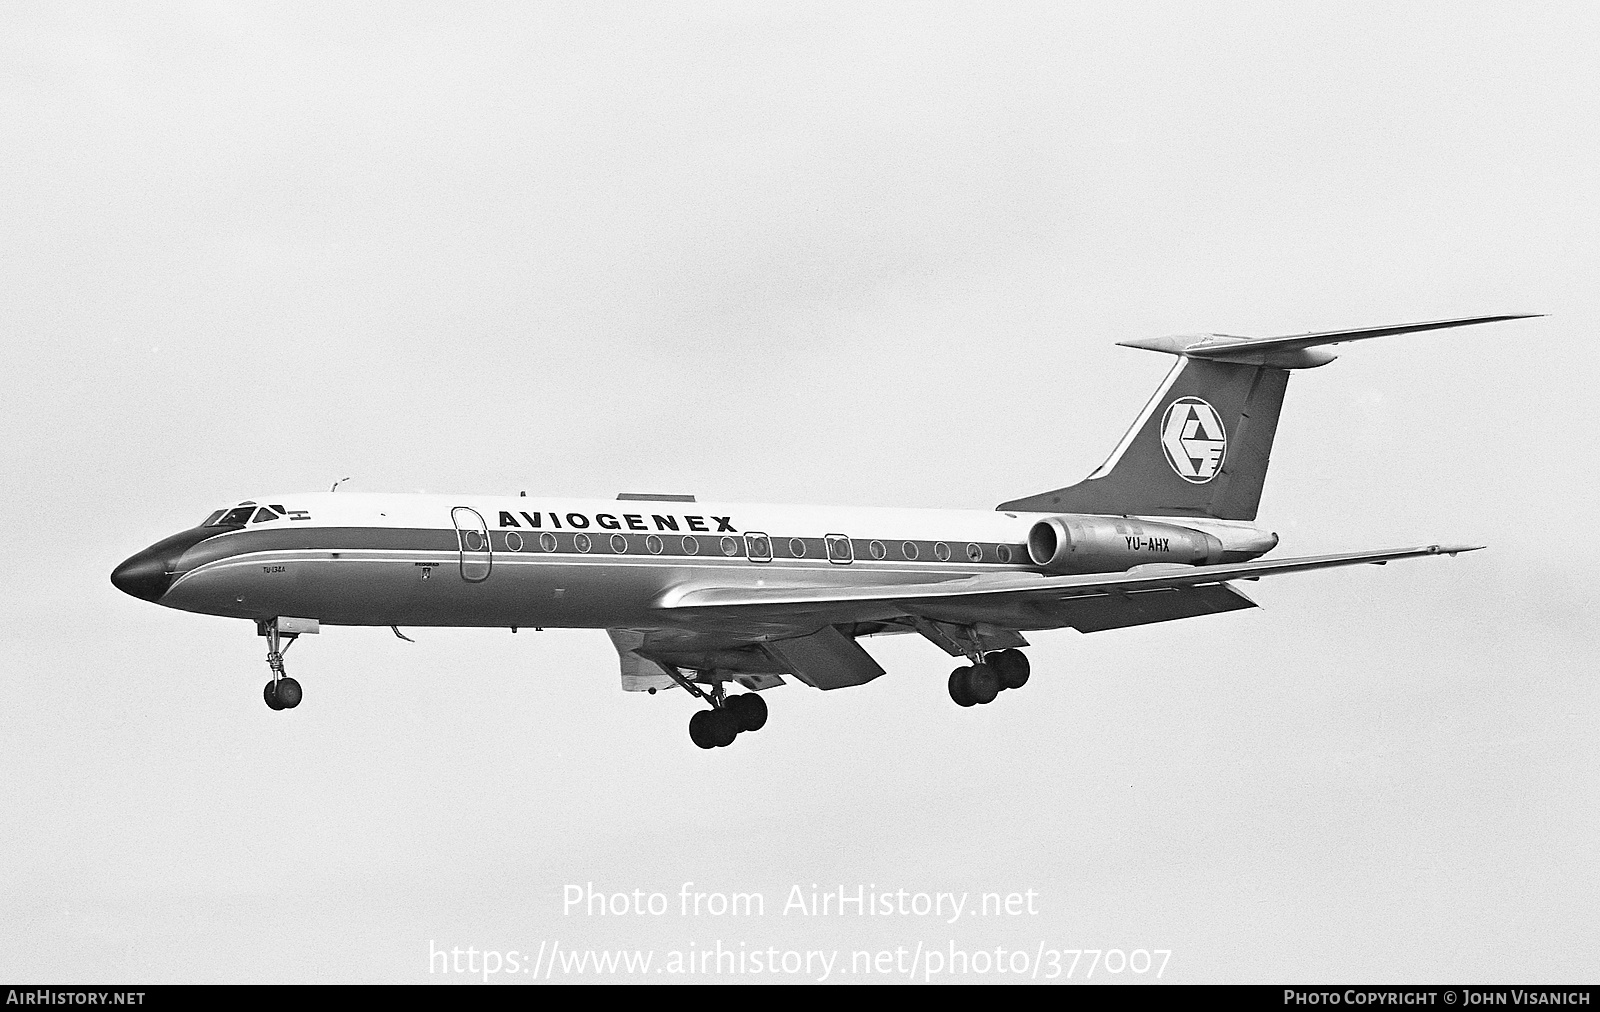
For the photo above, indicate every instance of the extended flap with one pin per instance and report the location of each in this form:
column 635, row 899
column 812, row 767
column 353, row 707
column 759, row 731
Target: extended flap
column 1118, row 611
column 827, row 659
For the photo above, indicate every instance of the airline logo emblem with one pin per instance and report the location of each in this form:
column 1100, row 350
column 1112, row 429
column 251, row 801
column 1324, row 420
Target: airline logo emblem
column 1194, row 440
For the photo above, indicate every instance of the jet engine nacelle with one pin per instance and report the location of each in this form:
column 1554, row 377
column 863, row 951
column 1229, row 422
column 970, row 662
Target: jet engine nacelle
column 1083, row 544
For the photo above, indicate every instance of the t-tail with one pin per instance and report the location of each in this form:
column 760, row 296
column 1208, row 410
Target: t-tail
column 1201, row 446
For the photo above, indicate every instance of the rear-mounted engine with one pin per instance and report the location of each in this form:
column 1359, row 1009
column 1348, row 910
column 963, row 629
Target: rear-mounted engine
column 1082, row 544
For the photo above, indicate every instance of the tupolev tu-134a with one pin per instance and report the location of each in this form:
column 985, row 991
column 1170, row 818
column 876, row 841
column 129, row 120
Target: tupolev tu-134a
column 706, row 596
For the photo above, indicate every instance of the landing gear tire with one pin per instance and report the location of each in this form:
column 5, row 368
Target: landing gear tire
column 288, row 693
column 271, row 696
column 700, row 729
column 714, row 728
column 983, row 683
column 724, row 726
column 750, row 709
column 960, row 691
column 1012, row 667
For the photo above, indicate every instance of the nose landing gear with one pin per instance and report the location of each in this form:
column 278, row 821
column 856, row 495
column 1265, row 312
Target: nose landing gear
column 283, row 692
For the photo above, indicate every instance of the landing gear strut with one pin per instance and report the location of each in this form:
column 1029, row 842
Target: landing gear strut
column 988, row 676
column 283, row 692
column 728, row 717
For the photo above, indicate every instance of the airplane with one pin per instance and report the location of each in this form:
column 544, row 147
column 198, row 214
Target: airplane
column 699, row 595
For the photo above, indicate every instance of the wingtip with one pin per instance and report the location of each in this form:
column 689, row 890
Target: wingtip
column 1495, row 318
column 1170, row 344
column 1454, row 550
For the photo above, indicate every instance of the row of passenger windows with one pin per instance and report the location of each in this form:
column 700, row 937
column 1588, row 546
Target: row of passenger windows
column 473, row 541
column 759, row 547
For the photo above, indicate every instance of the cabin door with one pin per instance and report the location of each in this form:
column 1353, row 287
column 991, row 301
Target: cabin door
column 472, row 537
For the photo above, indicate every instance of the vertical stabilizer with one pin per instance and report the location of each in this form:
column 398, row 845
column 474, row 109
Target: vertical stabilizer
column 1199, row 448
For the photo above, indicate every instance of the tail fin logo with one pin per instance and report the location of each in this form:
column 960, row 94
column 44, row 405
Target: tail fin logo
column 1194, row 439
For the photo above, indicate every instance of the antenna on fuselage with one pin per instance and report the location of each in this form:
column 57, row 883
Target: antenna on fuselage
column 336, row 484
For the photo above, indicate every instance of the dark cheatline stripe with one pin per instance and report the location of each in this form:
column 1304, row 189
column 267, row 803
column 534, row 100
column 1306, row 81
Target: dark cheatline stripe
column 288, row 539
column 711, row 546
column 714, row 546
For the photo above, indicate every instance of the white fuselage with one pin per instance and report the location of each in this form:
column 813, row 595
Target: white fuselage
column 465, row 560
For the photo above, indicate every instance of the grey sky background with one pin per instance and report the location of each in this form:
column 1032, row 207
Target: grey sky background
column 871, row 255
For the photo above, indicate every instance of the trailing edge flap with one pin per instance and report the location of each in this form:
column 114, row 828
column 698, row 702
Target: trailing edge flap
column 1119, row 611
column 827, row 659
column 638, row 674
column 955, row 638
column 756, row 682
column 1044, row 588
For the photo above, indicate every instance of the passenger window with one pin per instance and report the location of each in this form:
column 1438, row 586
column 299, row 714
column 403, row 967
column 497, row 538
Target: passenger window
column 757, row 547
column 839, row 549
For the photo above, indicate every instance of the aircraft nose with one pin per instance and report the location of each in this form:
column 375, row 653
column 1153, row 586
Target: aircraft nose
column 144, row 576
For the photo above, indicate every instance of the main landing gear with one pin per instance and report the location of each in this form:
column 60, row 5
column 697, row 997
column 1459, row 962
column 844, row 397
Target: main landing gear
column 283, row 692
column 728, row 717
column 718, row 727
column 988, row 676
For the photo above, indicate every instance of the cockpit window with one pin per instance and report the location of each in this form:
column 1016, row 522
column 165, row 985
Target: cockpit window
column 263, row 514
column 236, row 517
column 213, row 518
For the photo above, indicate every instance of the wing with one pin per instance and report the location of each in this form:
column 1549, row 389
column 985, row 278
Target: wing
column 810, row 631
column 876, row 602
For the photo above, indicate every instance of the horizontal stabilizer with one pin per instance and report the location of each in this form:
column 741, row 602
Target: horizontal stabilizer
column 1292, row 351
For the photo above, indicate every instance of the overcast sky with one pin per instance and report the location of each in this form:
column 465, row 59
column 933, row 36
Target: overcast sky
column 864, row 254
